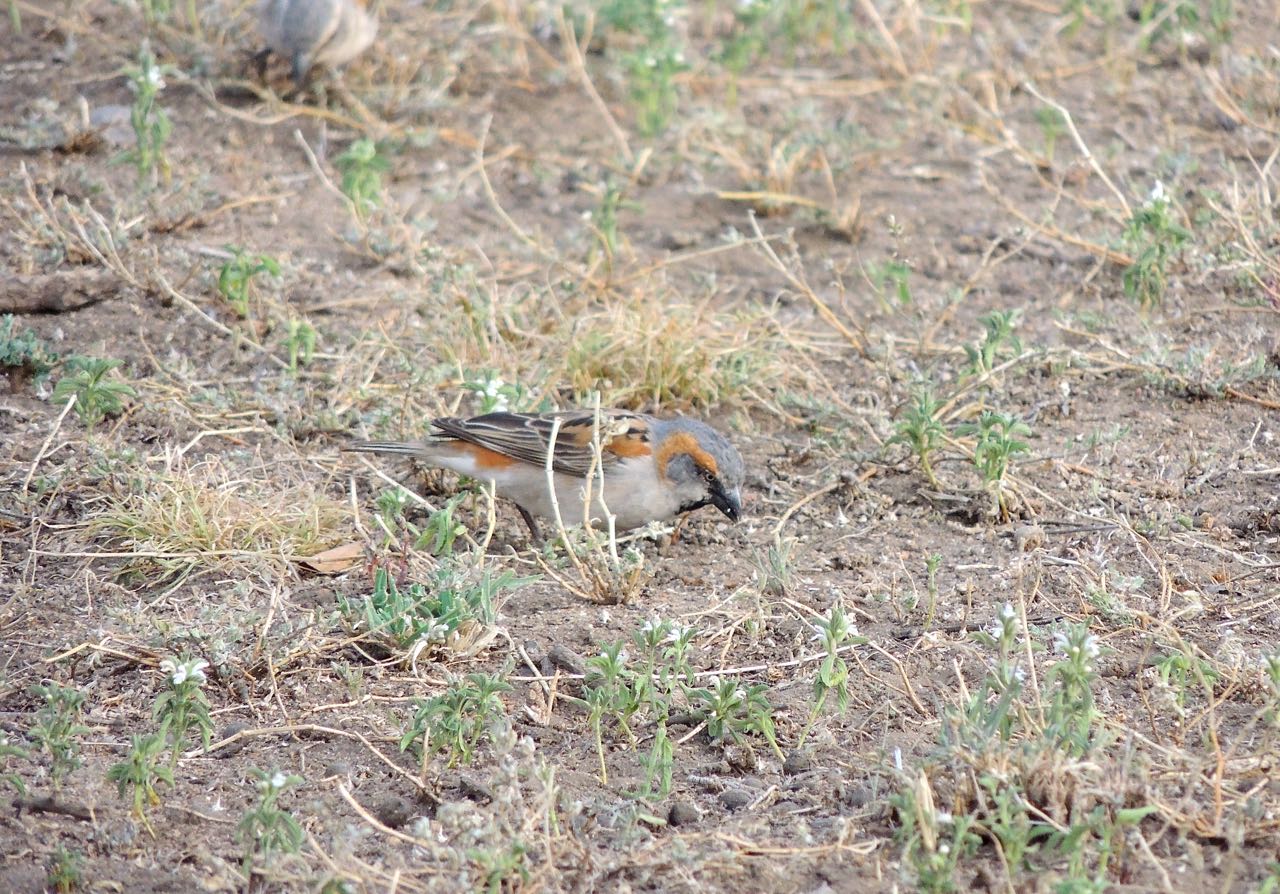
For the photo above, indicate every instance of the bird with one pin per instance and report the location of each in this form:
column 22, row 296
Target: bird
column 316, row 32
column 653, row 469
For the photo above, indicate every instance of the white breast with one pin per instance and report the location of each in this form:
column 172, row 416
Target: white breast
column 632, row 493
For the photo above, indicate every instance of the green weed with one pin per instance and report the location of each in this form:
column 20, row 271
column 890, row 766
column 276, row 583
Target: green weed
column 235, row 277
column 151, row 125
column 97, row 396
column 457, row 720
column 57, row 729
column 138, row 775
column 184, row 706
column 267, row 829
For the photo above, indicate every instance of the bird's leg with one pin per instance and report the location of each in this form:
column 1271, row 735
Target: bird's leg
column 534, row 533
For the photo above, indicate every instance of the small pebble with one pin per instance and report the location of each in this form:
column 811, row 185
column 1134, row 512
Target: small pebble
column 683, row 813
column 796, row 762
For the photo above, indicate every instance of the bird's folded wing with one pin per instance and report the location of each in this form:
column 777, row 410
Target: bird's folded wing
column 526, row 437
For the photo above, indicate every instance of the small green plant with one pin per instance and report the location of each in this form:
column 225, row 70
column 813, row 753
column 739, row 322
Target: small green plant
column 998, row 342
column 442, row 529
column 732, row 710
column 57, row 730
column 300, row 341
column 654, row 61
column 427, row 614
column 998, row 440
column 97, row 396
column 833, row 633
column 24, row 352
column 457, row 720
column 605, row 218
column 151, row 125
column 66, row 870
column 932, row 564
column 235, row 277
column 920, row 429
column 934, row 843
column 892, row 277
column 268, row 829
column 1071, row 716
column 609, row 693
column 1154, row 238
column 748, row 39
column 1178, row 671
column 184, row 706
column 7, row 776
column 502, row 864
column 362, row 167
column 774, row 569
column 138, row 775
column 658, row 764
column 493, row 395
column 1052, row 125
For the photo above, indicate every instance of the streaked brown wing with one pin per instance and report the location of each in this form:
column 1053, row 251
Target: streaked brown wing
column 525, row 436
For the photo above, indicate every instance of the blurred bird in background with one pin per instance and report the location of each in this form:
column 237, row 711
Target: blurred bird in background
column 308, row 33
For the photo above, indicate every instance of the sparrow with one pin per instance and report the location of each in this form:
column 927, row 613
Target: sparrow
column 316, row 32
column 653, row 469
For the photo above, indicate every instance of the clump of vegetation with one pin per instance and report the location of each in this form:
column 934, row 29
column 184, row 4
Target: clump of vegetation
column 57, row 729
column 1154, row 237
column 151, row 124
column 427, row 614
column 362, row 166
column 458, row 720
column 235, row 277
column 97, row 394
column 267, row 829
column 138, row 775
column 24, row 353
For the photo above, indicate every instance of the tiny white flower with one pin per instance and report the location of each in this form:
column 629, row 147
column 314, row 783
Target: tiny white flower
column 677, row 633
column 650, row 625
column 179, row 675
column 1158, row 196
column 156, row 79
column 944, row 817
column 1091, row 646
column 278, row 780
column 168, row 667
column 1008, row 612
column 196, row 671
column 1019, row 674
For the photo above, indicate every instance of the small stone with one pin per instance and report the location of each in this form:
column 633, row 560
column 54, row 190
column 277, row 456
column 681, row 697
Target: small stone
column 740, row 757
column 1028, row 537
column 683, row 813
column 736, row 798
column 796, row 761
column 393, row 811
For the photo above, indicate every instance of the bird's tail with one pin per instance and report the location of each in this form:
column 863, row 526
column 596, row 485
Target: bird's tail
column 403, row 448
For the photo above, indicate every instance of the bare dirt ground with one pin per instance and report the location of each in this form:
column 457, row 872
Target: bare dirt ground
column 986, row 293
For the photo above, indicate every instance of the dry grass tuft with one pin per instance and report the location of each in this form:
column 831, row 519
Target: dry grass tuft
column 203, row 513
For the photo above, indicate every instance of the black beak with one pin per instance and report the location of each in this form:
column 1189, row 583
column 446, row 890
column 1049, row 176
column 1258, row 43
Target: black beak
column 728, row 503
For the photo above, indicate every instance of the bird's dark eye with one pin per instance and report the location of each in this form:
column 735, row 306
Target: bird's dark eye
column 708, row 476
